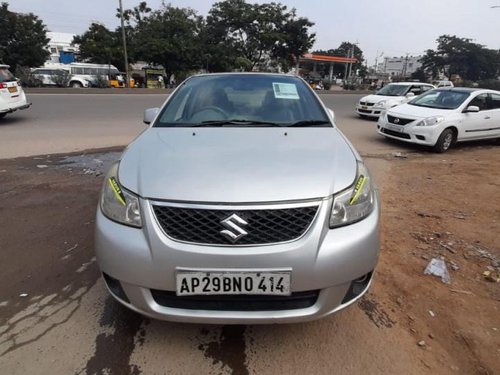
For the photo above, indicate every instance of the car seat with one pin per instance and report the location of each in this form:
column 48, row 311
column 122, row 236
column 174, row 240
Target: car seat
column 276, row 110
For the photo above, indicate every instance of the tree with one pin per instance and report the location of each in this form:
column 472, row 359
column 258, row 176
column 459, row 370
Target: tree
column 461, row 56
column 23, row 38
column 260, row 33
column 169, row 36
column 101, row 46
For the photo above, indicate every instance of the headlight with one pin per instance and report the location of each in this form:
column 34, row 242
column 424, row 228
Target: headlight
column 430, row 121
column 117, row 203
column 356, row 202
column 381, row 103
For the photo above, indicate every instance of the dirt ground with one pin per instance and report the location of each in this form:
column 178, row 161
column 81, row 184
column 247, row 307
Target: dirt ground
column 434, row 206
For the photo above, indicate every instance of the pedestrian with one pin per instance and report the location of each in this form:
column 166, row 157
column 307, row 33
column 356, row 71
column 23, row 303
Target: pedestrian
column 160, row 82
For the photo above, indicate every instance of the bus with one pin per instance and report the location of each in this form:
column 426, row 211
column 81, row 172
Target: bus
column 81, row 74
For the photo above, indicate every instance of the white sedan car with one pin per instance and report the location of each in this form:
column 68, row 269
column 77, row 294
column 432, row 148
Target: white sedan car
column 12, row 97
column 441, row 117
column 390, row 96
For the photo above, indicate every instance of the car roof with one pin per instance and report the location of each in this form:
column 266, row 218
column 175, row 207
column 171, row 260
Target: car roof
column 459, row 89
column 409, row 83
column 246, row 73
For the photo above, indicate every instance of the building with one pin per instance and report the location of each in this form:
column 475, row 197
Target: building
column 399, row 66
column 61, row 48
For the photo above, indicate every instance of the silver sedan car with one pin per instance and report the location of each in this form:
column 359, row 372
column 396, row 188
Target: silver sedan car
column 241, row 203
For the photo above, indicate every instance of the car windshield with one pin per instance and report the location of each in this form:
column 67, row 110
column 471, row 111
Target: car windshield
column 393, row 90
column 243, row 100
column 6, row 76
column 441, row 99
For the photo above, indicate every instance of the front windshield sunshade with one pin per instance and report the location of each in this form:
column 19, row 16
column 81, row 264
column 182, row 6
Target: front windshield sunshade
column 440, row 99
column 243, row 100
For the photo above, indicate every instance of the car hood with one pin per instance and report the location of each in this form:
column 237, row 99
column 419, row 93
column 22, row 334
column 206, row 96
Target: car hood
column 237, row 165
column 378, row 98
column 413, row 111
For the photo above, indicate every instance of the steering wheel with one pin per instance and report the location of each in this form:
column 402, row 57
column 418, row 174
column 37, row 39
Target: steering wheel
column 220, row 114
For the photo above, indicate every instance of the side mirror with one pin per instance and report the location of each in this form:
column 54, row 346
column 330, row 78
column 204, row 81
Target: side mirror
column 472, row 108
column 332, row 114
column 410, row 95
column 150, row 114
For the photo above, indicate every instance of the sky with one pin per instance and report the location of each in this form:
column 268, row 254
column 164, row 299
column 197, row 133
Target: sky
column 383, row 28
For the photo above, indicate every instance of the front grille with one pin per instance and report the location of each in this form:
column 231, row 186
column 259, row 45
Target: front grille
column 399, row 121
column 264, row 226
column 298, row 300
column 366, row 103
column 395, row 134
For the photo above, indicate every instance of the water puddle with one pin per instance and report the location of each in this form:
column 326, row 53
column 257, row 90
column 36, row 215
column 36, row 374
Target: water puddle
column 92, row 164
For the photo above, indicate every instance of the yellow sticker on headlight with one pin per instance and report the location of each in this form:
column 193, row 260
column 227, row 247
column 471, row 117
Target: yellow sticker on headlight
column 116, row 189
column 358, row 189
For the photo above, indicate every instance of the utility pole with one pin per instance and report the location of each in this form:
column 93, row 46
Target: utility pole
column 351, row 56
column 376, row 61
column 405, row 66
column 125, row 55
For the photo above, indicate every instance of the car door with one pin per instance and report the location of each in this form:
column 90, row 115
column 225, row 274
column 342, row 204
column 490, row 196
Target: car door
column 494, row 113
column 477, row 125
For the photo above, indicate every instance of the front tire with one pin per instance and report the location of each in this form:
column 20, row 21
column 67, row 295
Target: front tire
column 76, row 85
column 2, row 115
column 445, row 141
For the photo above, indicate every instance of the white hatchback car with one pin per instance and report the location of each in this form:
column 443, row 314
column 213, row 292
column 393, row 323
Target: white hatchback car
column 12, row 96
column 390, row 96
column 441, row 117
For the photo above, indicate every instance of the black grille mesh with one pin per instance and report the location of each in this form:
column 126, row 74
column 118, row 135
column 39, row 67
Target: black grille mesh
column 298, row 300
column 264, row 225
column 401, row 121
column 395, row 134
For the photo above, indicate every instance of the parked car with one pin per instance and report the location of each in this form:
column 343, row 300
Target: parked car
column 441, row 117
column 49, row 77
column 440, row 84
column 12, row 97
column 241, row 203
column 390, row 96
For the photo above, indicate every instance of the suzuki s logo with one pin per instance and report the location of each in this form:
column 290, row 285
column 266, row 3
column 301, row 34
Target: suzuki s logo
column 234, row 231
column 396, row 121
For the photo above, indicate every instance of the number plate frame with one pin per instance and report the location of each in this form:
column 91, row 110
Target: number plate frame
column 192, row 283
column 396, row 128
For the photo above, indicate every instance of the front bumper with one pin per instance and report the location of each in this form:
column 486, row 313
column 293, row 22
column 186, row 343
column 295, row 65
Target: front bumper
column 144, row 261
column 423, row 135
column 369, row 111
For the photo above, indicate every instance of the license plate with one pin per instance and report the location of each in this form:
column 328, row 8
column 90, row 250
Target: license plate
column 12, row 89
column 396, row 128
column 233, row 283
column 364, row 107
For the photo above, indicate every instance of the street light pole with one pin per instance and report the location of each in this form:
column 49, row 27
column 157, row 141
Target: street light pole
column 125, row 55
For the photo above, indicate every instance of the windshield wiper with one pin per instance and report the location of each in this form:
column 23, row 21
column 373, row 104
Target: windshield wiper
column 236, row 122
column 305, row 123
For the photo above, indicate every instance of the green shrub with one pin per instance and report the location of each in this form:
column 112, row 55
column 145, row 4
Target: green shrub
column 101, row 82
column 26, row 78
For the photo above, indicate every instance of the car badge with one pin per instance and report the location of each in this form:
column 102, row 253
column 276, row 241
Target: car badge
column 396, row 121
column 234, row 231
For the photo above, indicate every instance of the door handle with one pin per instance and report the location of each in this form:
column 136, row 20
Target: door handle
column 487, row 117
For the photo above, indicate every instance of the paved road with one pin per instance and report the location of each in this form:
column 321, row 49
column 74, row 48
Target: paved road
column 63, row 123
